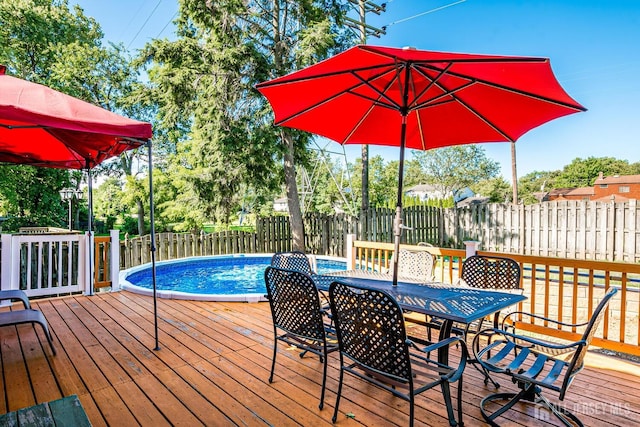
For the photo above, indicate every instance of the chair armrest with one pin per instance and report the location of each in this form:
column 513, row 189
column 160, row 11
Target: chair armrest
column 454, row 374
column 537, row 316
column 526, row 341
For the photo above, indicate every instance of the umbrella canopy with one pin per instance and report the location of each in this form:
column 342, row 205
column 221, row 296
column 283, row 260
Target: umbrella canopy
column 418, row 99
column 43, row 127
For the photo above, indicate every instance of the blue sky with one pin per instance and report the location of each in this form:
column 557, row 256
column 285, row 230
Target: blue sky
column 594, row 47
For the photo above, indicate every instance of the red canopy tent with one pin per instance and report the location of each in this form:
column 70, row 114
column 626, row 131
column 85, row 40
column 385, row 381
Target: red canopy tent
column 40, row 126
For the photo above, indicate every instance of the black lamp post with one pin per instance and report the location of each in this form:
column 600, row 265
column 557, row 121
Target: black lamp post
column 68, row 194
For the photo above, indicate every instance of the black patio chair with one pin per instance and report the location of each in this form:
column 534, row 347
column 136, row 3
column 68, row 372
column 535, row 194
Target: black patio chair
column 292, row 260
column 298, row 261
column 536, row 364
column 483, row 272
column 298, row 315
column 371, row 335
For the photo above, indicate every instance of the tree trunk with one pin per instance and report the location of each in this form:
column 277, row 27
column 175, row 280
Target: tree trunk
column 295, row 213
column 141, row 230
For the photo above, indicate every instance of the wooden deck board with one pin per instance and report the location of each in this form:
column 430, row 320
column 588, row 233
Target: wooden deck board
column 213, row 368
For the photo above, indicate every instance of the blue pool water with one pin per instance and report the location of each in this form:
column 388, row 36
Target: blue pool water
column 212, row 278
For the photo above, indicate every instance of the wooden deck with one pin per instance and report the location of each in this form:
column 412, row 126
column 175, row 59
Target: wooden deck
column 213, row 368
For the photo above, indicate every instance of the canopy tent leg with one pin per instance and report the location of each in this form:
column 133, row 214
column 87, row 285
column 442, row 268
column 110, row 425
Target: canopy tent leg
column 90, row 246
column 153, row 249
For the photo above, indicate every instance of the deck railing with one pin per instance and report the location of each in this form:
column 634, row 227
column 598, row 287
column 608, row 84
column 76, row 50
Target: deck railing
column 44, row 264
column 562, row 289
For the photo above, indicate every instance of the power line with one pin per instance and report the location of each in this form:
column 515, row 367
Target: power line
column 424, row 13
column 144, row 23
column 167, row 24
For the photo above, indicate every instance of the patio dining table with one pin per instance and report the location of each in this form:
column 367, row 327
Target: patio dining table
column 450, row 303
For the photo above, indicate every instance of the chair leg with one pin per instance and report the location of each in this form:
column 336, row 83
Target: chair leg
column 484, row 372
column 45, row 328
column 446, row 392
column 561, row 413
column 335, row 410
column 460, row 422
column 512, row 399
column 324, row 378
column 275, row 351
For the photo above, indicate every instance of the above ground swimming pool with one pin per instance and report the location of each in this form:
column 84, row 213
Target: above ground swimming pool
column 212, row 278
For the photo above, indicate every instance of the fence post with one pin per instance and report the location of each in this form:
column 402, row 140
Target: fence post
column 348, row 251
column 114, row 260
column 7, row 264
column 471, row 247
column 86, row 272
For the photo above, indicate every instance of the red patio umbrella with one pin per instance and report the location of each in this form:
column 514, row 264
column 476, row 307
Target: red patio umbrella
column 40, row 126
column 418, row 99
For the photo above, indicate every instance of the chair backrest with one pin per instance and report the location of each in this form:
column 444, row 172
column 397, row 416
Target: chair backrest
column 490, row 272
column 293, row 260
column 371, row 331
column 416, row 265
column 294, row 301
column 577, row 362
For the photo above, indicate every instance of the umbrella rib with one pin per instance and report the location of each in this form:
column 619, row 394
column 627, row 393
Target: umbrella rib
column 485, row 120
column 433, row 82
column 438, row 100
column 357, row 126
column 475, row 80
column 334, row 96
column 273, row 83
column 392, row 104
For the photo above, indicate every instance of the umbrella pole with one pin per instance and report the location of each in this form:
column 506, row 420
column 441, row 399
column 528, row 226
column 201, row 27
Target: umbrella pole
column 153, row 248
column 397, row 222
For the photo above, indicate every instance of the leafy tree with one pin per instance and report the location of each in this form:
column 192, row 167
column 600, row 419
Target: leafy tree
column 204, row 82
column 452, row 169
column 583, row 172
column 33, row 36
column 532, row 185
column 498, row 190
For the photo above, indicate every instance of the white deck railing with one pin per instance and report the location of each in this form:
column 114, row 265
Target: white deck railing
column 46, row 264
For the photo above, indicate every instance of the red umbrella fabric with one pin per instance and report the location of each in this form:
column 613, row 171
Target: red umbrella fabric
column 43, row 127
column 418, row 99
column 360, row 96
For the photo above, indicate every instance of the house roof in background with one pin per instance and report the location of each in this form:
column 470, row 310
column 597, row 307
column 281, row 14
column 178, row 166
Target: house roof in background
column 617, row 179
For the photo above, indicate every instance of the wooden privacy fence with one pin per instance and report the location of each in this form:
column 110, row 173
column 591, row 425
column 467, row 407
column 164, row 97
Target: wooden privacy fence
column 567, row 229
column 137, row 250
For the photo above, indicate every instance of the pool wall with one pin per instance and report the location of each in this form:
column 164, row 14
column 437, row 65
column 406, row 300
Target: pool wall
column 247, row 297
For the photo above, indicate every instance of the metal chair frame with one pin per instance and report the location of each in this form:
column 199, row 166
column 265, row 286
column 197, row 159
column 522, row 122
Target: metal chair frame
column 372, row 337
column 536, row 364
column 415, row 265
column 292, row 260
column 298, row 315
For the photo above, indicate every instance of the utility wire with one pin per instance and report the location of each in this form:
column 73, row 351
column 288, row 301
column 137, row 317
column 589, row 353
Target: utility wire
column 144, row 23
column 425, row 13
column 167, row 24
